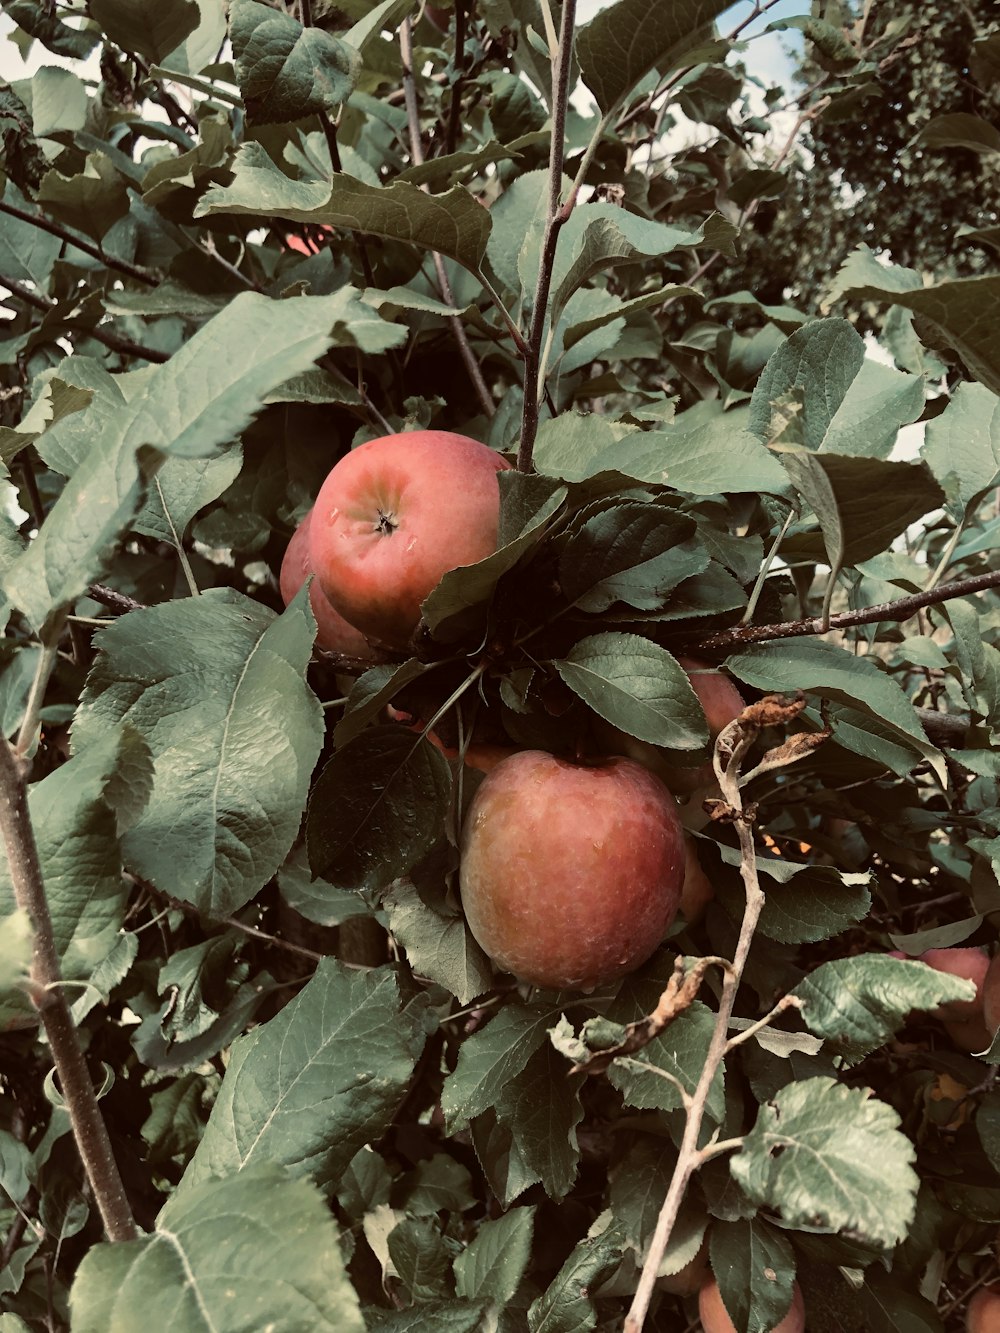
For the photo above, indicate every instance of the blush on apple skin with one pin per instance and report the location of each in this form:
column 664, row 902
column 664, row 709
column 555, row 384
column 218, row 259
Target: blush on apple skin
column 967, row 1022
column 571, row 873
column 982, row 1314
column 715, row 1317
column 333, row 632
column 395, row 515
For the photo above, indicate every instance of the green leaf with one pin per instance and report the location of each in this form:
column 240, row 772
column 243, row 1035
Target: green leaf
column 181, row 488
column 638, row 687
column 324, row 1077
column 962, row 446
column 216, row 685
column 438, row 946
column 316, row 899
column 960, row 129
column 286, row 72
column 378, row 806
column 371, row 692
column 150, row 28
column 831, row 1158
column 755, row 1268
column 93, row 200
column 639, row 1185
column 422, row 1258
column 16, row 938
column 76, row 812
column 541, row 1109
column 528, row 505
column 875, row 699
column 450, row 1317
column 630, row 554
column 58, row 102
column 820, row 360
column 567, row 1306
column 879, row 401
column 803, row 903
column 856, row 1004
column 832, row 50
column 963, row 312
column 627, row 40
column 492, row 1265
column 256, row 1251
column 862, row 504
column 452, row 223
column 680, row 1050
column 490, row 1059
column 26, row 252
column 74, row 543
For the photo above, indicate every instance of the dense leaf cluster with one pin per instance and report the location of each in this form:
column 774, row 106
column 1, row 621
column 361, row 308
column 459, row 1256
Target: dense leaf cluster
column 329, row 1109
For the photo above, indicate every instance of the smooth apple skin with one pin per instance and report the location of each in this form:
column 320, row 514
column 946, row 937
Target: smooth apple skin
column 571, row 873
column 982, row 1314
column 333, row 632
column 715, row 1316
column 395, row 515
column 970, row 965
column 697, row 892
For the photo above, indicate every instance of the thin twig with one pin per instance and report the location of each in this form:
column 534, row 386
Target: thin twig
column 731, row 746
column 113, row 341
column 455, row 107
column 36, row 697
column 898, row 611
column 118, row 602
column 558, row 213
column 79, row 243
column 417, row 155
column 89, row 1129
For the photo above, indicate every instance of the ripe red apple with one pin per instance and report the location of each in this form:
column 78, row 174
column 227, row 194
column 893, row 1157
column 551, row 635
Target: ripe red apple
column 396, row 514
column 991, row 996
column 570, row 872
column 965, row 1020
column 333, row 632
column 715, row 1316
column 687, row 1281
column 983, row 1312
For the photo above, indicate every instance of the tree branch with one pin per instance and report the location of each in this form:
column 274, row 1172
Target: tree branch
column 732, row 744
column 113, row 341
column 455, row 107
column 89, row 1129
column 869, row 615
column 417, row 154
column 557, row 216
column 80, row 243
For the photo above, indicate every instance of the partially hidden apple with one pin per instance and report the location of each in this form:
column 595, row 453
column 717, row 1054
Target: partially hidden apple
column 478, row 755
column 394, row 516
column 721, row 702
column 697, row 892
column 966, row 1021
column 571, row 872
column 333, row 632
column 715, row 1317
column 982, row 1314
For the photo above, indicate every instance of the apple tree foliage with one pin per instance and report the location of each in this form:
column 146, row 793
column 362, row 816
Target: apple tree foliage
column 237, row 239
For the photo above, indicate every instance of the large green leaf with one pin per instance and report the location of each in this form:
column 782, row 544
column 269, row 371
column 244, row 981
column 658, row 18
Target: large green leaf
column 285, row 71
column 541, row 1108
column 151, row 28
column 962, row 446
column 963, row 312
column 755, row 1267
column 216, row 686
column 78, row 812
column 832, row 1159
column 627, row 40
column 324, row 1077
column 819, row 362
column 452, row 223
column 492, row 1265
column 437, row 945
column 379, row 805
column 856, row 1004
column 568, row 1306
column 258, row 1251
column 637, row 686
column 491, row 1058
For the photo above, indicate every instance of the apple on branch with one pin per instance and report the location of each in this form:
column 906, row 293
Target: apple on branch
column 333, row 632
column 394, row 516
column 571, row 872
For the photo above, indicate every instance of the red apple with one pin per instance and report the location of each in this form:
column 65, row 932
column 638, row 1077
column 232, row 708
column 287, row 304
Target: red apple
column 395, row 515
column 965, row 1020
column 333, row 632
column 983, row 1312
column 715, row 1317
column 571, row 872
column 687, row 1281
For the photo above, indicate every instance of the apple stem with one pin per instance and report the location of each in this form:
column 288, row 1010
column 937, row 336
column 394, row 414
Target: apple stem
column 731, row 746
